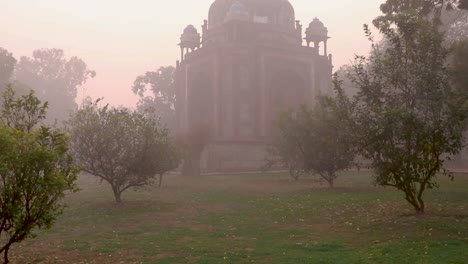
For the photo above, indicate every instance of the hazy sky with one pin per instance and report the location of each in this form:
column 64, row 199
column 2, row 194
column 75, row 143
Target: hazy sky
column 121, row 39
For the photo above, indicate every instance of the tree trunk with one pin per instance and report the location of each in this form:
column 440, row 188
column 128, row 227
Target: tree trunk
column 417, row 204
column 117, row 195
column 420, row 211
column 420, row 200
column 118, row 198
column 420, row 207
column 330, row 179
column 5, row 255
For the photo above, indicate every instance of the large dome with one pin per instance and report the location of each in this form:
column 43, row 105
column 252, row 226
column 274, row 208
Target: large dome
column 279, row 12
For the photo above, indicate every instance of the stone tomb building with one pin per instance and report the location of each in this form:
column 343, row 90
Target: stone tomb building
column 251, row 60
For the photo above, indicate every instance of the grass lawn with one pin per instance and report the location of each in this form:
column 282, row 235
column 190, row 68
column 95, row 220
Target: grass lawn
column 255, row 219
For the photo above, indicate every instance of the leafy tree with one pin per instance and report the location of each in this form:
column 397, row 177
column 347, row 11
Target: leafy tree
column 285, row 149
column 317, row 140
column 346, row 85
column 329, row 146
column 169, row 157
column 56, row 79
column 36, row 170
column 463, row 4
column 23, row 113
column 407, row 119
column 423, row 8
column 449, row 15
column 157, row 94
column 454, row 23
column 7, row 66
column 121, row 147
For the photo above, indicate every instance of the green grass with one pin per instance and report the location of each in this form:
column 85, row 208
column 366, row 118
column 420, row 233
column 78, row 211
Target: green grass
column 255, row 219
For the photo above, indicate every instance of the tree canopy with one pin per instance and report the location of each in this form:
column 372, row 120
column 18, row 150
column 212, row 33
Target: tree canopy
column 157, row 93
column 286, row 150
column 406, row 113
column 36, row 170
column 120, row 146
column 7, row 66
column 55, row 79
column 316, row 140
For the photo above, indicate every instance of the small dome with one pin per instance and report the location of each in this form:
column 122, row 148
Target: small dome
column 190, row 38
column 190, row 29
column 316, row 31
column 316, row 23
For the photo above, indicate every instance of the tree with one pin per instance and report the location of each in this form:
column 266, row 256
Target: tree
column 36, row 170
column 406, row 114
column 285, row 149
column 24, row 113
column 329, row 146
column 454, row 23
column 161, row 100
column 55, row 78
column 463, row 4
column 450, row 16
column 121, row 147
column 317, row 140
column 169, row 157
column 450, row 20
column 346, row 85
column 423, row 8
column 7, row 66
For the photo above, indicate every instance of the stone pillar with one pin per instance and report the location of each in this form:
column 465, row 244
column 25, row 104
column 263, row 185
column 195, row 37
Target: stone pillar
column 204, row 29
column 299, row 32
column 325, row 49
column 317, row 46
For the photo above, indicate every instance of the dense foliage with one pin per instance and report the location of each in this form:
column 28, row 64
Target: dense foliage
column 157, row 93
column 158, row 100
column 285, row 149
column 36, row 170
column 55, row 79
column 121, row 147
column 7, row 66
column 407, row 117
column 316, row 140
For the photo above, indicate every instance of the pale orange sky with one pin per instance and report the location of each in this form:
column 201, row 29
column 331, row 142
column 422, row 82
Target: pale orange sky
column 121, row 39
